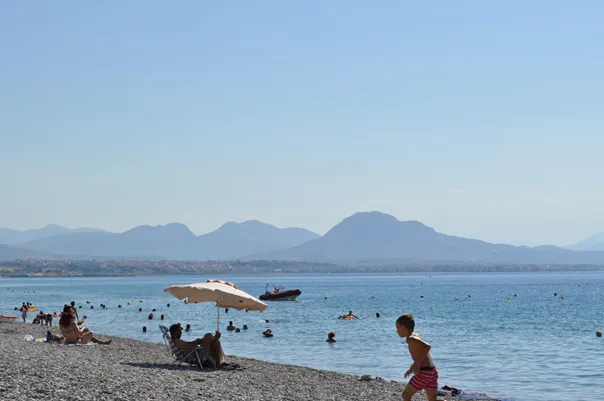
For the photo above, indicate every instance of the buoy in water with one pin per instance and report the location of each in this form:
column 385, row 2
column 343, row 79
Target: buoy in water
column 129, row 303
column 457, row 299
column 297, row 301
column 508, row 298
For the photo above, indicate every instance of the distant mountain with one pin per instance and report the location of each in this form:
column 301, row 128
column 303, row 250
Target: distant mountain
column 14, row 237
column 370, row 236
column 234, row 240
column 11, row 253
column 591, row 243
column 176, row 241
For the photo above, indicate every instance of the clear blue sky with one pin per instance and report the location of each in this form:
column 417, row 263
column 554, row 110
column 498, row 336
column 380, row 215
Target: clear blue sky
column 479, row 118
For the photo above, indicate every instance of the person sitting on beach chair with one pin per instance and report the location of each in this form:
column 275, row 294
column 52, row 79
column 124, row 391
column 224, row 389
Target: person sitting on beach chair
column 75, row 335
column 208, row 349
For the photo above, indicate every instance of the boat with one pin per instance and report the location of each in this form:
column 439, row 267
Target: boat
column 279, row 294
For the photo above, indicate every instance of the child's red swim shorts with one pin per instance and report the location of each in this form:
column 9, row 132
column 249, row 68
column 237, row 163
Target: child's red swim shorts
column 426, row 378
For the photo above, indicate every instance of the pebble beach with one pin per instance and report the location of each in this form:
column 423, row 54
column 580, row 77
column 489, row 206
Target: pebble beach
column 136, row 370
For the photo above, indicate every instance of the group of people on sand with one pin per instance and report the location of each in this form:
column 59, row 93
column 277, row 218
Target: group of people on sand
column 44, row 319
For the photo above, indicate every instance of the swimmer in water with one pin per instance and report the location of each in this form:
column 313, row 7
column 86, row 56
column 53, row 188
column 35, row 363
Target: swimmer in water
column 331, row 337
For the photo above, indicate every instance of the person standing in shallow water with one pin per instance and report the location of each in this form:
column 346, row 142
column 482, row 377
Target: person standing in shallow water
column 24, row 312
column 425, row 375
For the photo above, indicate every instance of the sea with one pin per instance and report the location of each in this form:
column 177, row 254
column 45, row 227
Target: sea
column 524, row 336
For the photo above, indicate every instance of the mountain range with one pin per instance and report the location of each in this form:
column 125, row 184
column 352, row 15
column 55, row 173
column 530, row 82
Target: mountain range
column 375, row 236
column 15, row 237
column 592, row 243
column 364, row 237
column 171, row 241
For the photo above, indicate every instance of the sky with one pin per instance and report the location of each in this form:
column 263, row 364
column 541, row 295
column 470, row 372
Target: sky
column 480, row 119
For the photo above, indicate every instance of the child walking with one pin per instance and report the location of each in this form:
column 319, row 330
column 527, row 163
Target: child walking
column 425, row 375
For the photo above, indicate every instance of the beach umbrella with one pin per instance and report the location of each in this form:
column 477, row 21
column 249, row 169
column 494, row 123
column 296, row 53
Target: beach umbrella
column 223, row 293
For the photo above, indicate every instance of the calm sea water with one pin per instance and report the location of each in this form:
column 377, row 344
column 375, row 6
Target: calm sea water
column 531, row 344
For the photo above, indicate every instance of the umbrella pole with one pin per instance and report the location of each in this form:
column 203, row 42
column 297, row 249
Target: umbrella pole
column 217, row 317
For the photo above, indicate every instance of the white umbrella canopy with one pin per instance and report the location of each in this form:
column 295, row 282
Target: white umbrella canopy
column 223, row 293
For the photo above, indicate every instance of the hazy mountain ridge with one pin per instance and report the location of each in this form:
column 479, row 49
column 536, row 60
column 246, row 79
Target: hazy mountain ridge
column 176, row 241
column 364, row 237
column 9, row 236
column 592, row 243
column 8, row 252
column 367, row 236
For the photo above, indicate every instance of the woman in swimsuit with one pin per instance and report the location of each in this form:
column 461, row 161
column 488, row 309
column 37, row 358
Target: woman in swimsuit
column 73, row 334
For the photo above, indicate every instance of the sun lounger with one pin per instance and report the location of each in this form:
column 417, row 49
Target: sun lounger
column 180, row 356
column 7, row 319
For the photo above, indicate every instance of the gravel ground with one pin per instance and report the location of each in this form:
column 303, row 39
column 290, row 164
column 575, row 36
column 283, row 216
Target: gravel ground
column 137, row 370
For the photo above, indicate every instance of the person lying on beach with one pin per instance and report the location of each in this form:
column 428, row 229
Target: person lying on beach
column 425, row 375
column 208, row 348
column 75, row 335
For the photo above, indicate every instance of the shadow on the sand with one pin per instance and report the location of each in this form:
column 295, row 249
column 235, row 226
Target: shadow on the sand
column 167, row 366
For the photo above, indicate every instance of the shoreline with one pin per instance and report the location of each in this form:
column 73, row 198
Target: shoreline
column 384, row 273
column 133, row 369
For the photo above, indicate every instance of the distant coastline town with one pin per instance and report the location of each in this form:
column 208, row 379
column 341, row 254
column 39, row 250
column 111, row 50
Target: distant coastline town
column 87, row 268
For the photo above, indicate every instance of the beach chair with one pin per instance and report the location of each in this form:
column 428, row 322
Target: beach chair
column 180, row 356
column 7, row 319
